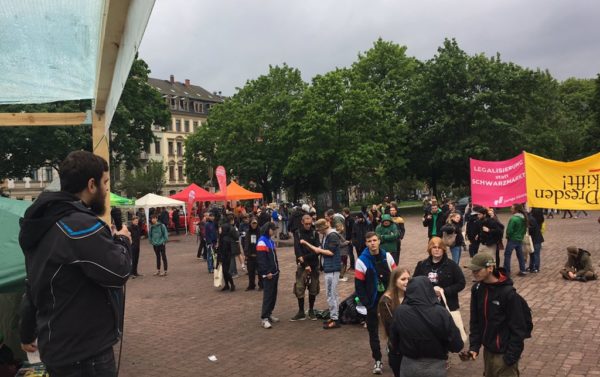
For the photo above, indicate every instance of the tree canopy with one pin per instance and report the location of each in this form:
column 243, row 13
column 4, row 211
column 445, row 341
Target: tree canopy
column 390, row 118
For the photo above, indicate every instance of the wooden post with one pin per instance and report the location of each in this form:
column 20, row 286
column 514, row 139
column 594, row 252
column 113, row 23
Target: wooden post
column 100, row 148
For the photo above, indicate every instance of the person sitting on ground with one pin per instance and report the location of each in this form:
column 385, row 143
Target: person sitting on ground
column 579, row 265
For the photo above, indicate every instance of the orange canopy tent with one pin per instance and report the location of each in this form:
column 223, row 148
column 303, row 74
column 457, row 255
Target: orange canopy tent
column 195, row 193
column 237, row 192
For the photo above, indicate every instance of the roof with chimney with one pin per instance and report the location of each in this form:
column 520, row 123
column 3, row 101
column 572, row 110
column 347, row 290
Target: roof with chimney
column 184, row 89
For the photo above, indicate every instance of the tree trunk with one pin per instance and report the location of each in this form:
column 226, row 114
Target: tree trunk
column 334, row 201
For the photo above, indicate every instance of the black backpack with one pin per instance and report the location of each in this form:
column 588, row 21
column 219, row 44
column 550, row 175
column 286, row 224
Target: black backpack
column 526, row 313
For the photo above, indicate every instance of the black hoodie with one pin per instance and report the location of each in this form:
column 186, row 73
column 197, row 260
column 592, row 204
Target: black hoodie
column 75, row 274
column 422, row 327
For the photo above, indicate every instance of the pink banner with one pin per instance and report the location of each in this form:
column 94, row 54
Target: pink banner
column 222, row 179
column 498, row 183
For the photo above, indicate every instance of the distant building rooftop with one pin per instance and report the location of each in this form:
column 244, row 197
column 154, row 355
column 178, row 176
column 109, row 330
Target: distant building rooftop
column 184, row 89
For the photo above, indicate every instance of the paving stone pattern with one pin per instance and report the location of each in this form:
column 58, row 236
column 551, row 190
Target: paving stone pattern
column 173, row 324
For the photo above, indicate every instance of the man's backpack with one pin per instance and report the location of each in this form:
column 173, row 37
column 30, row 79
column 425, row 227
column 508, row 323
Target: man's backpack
column 526, row 313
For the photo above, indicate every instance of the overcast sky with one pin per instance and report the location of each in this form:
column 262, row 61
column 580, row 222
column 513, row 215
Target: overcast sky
column 221, row 44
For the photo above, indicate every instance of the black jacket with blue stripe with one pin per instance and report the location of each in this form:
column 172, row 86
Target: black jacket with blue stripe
column 76, row 272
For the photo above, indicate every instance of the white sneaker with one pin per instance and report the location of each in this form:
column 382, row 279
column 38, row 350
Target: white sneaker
column 266, row 324
column 378, row 367
column 273, row 319
column 343, row 279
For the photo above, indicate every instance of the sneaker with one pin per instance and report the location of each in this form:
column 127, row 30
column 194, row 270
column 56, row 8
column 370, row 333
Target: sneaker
column 331, row 324
column 343, row 279
column 311, row 315
column 523, row 273
column 378, row 367
column 266, row 324
column 300, row 316
column 164, row 274
column 157, row 273
column 273, row 319
column 249, row 289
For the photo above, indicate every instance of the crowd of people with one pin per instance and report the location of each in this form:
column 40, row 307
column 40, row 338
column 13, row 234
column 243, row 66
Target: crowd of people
column 413, row 309
column 78, row 268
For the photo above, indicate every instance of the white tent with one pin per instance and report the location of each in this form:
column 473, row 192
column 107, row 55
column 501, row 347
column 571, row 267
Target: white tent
column 152, row 200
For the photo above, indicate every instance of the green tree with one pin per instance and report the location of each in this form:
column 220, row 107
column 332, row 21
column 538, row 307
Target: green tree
column 140, row 181
column 140, row 107
column 387, row 73
column 592, row 133
column 335, row 139
column 246, row 134
column 24, row 149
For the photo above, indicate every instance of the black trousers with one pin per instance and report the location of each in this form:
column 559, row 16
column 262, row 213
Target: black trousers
column 201, row 249
column 373, row 329
column 395, row 360
column 135, row 257
column 101, row 365
column 269, row 296
column 161, row 252
column 251, row 265
column 226, row 264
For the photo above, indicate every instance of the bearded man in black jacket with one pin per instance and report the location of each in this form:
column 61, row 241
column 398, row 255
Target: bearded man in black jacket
column 76, row 270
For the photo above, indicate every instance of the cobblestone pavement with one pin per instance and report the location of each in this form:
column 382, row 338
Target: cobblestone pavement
column 174, row 324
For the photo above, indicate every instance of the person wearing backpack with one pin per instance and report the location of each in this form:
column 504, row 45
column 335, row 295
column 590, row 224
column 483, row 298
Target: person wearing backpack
column 500, row 319
column 452, row 235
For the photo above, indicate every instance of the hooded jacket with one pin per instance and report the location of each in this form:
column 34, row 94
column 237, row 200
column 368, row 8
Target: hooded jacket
column 516, row 228
column 497, row 320
column 422, row 327
column 580, row 262
column 75, row 274
column 388, row 234
column 250, row 241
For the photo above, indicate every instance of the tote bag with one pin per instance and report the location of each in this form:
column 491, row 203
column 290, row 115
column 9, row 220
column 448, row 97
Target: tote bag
column 218, row 276
column 457, row 318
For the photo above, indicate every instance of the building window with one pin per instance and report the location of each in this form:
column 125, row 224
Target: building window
column 173, row 103
column 170, row 126
column 179, row 148
column 195, row 125
column 157, row 147
column 198, row 107
column 171, row 152
column 186, row 125
column 171, row 173
column 48, row 174
column 178, row 125
column 34, row 175
column 182, row 104
column 180, row 173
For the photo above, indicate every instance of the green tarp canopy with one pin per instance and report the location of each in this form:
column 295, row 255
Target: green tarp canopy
column 12, row 268
column 116, row 200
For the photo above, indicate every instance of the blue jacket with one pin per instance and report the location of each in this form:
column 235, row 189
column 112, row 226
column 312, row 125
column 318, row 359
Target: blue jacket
column 266, row 257
column 210, row 233
column 365, row 276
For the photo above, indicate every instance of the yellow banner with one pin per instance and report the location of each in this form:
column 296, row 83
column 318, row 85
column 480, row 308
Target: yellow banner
column 563, row 185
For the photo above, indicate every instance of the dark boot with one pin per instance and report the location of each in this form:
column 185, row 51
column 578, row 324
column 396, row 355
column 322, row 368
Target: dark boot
column 225, row 288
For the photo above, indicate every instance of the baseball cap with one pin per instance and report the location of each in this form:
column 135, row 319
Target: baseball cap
column 386, row 217
column 481, row 260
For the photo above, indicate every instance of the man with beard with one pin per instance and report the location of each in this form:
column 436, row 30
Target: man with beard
column 76, row 270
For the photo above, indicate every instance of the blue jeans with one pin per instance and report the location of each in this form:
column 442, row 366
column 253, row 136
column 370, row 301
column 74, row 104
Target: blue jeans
column 455, row 250
column 209, row 257
column 534, row 260
column 510, row 246
column 101, row 365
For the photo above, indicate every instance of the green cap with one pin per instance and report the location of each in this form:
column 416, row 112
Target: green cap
column 386, row 217
column 481, row 260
